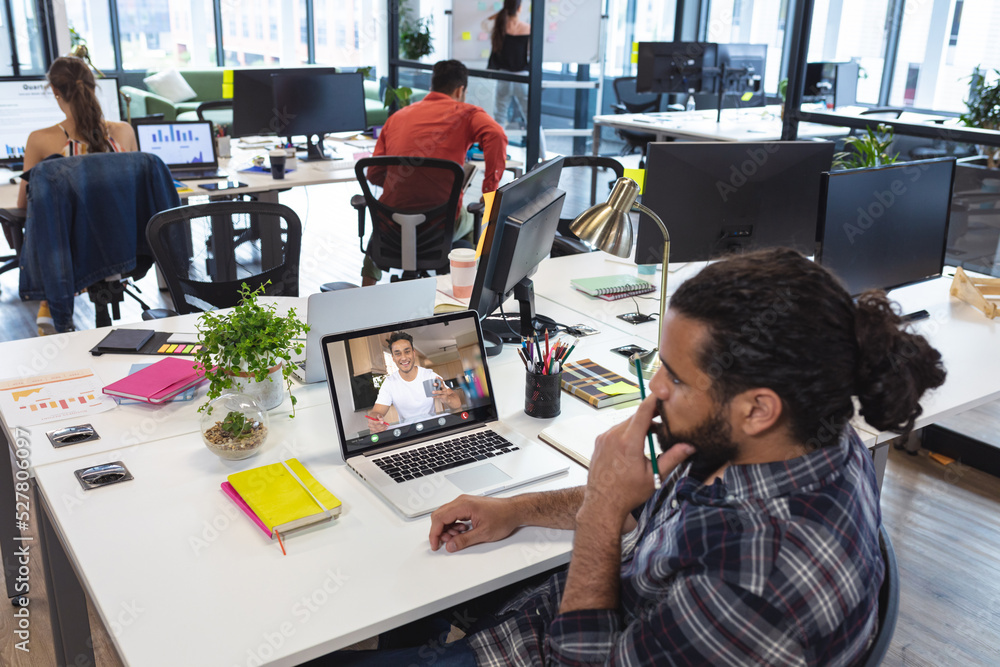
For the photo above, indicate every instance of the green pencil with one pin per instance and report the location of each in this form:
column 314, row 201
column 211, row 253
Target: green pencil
column 649, row 436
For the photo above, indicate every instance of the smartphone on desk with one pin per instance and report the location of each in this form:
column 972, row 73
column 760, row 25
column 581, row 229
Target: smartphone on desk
column 222, row 185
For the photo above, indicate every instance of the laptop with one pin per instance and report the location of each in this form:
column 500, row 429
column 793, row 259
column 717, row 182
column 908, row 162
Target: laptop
column 346, row 309
column 429, row 454
column 187, row 147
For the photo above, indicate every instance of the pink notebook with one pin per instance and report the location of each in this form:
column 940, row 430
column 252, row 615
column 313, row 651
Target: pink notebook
column 234, row 495
column 158, row 382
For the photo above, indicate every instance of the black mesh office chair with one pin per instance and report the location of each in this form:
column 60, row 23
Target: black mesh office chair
column 888, row 604
column 631, row 101
column 414, row 238
column 566, row 242
column 207, row 251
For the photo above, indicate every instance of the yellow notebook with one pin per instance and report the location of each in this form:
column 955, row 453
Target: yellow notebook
column 284, row 496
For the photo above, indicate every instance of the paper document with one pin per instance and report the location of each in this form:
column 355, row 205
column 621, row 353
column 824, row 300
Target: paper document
column 48, row 398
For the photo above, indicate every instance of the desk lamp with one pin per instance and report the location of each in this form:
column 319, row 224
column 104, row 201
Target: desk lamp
column 608, row 227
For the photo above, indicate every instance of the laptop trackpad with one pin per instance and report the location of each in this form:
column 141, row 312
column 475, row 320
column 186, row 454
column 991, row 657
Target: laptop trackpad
column 478, row 477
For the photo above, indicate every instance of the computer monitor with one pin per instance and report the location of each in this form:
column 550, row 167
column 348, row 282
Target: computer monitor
column 254, row 113
column 519, row 235
column 722, row 197
column 313, row 104
column 886, row 227
column 27, row 105
column 742, row 71
column 675, row 67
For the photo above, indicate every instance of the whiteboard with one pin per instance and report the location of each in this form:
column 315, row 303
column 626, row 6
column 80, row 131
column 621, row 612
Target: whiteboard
column 572, row 30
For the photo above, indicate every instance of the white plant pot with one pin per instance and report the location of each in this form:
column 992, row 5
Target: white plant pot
column 270, row 393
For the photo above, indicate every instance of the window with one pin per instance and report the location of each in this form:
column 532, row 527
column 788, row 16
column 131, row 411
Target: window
column 752, row 22
column 852, row 29
column 92, row 22
column 941, row 43
column 157, row 35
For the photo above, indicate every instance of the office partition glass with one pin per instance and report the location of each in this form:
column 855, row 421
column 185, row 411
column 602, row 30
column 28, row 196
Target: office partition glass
column 752, row 22
column 264, row 33
column 843, row 30
column 941, row 43
column 160, row 35
column 92, row 22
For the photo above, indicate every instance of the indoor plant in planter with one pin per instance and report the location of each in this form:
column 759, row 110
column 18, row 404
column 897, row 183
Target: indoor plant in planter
column 248, row 350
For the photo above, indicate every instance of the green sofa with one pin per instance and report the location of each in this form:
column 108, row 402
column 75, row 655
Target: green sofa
column 207, row 84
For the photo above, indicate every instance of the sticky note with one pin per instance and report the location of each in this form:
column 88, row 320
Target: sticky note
column 483, row 37
column 637, row 175
column 466, row 36
column 618, row 388
column 488, row 198
column 747, row 96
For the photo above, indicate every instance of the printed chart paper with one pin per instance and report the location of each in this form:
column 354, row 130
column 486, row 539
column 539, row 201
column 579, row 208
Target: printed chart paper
column 48, row 398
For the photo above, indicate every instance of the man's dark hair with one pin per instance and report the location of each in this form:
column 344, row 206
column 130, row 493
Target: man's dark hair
column 449, row 75
column 398, row 336
column 777, row 320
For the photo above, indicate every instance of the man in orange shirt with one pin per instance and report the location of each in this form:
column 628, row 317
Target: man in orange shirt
column 442, row 126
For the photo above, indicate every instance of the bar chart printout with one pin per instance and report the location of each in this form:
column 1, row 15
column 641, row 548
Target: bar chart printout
column 48, row 398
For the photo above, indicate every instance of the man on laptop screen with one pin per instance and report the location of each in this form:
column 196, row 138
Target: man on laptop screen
column 413, row 389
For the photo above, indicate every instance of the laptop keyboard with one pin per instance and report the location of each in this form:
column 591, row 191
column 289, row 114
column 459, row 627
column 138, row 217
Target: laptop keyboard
column 427, row 460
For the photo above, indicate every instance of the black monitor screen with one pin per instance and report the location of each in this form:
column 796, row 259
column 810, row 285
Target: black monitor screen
column 886, row 226
column 675, row 67
column 310, row 103
column 722, row 197
column 253, row 99
column 521, row 229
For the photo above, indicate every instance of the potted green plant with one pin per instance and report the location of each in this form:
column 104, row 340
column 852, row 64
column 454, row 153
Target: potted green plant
column 870, row 149
column 415, row 39
column 248, row 349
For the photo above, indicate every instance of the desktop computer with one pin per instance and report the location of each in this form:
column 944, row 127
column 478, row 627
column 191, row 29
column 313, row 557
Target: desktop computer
column 313, row 104
column 886, row 227
column 519, row 235
column 27, row 105
column 254, row 113
column 722, row 197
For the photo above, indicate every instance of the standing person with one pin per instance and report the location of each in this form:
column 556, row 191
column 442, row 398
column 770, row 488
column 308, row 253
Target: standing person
column 510, row 40
column 443, row 126
column 84, row 131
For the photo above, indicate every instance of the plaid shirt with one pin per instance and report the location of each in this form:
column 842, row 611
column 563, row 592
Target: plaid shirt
column 774, row 564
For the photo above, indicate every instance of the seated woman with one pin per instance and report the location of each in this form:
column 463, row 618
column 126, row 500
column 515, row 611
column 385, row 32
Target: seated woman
column 83, row 131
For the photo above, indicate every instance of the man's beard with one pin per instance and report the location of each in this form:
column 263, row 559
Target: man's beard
column 712, row 439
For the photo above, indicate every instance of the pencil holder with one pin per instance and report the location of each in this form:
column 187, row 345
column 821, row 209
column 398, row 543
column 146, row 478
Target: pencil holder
column 542, row 394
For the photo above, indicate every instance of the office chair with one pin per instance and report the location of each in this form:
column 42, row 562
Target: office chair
column 84, row 230
column 631, row 101
column 206, row 252
column 888, row 604
column 566, row 242
column 417, row 238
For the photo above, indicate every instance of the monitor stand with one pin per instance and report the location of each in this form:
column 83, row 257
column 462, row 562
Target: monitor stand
column 496, row 332
column 315, row 149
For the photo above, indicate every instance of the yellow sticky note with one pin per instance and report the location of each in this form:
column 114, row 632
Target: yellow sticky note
column 488, row 198
column 747, row 96
column 466, row 36
column 618, row 388
column 639, row 176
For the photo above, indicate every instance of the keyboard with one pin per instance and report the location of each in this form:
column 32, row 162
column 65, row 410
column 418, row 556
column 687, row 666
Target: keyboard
column 427, row 460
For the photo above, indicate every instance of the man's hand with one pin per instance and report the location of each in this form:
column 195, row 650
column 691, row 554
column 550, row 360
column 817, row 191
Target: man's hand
column 621, row 477
column 469, row 520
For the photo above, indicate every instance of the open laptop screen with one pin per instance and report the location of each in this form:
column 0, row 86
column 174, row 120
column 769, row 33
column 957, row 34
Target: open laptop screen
column 364, row 372
column 181, row 144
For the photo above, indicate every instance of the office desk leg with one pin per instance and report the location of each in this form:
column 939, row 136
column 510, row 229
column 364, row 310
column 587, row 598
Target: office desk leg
column 67, row 601
column 9, row 531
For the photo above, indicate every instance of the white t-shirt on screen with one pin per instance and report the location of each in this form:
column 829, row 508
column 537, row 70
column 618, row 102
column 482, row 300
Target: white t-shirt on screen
column 411, row 401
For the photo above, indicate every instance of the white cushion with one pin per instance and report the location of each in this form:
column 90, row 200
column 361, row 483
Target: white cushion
column 171, row 85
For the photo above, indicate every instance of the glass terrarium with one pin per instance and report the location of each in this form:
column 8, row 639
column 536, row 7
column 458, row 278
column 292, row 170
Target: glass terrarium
column 234, row 426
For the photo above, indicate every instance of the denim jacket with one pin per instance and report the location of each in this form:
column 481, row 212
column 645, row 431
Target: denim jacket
column 86, row 220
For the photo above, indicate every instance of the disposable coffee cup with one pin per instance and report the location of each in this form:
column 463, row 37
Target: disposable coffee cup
column 278, row 157
column 463, row 271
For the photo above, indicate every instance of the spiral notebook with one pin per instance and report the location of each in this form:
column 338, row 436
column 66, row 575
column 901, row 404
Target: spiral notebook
column 612, row 288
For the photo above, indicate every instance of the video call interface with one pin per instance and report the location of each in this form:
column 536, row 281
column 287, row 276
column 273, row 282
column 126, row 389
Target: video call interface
column 445, row 357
